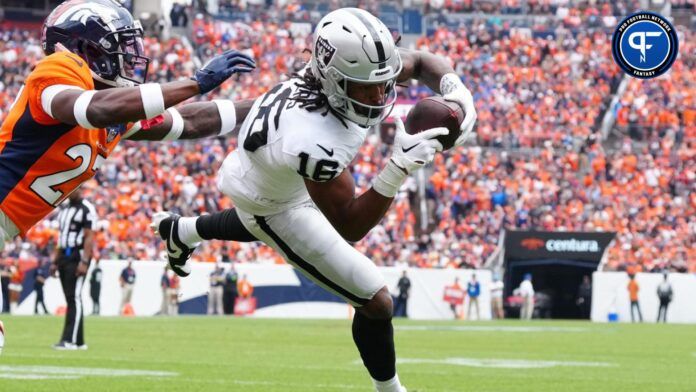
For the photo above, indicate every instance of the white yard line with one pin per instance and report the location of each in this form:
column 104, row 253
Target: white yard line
column 82, row 371
column 30, row 376
column 502, row 363
column 302, row 386
column 486, row 328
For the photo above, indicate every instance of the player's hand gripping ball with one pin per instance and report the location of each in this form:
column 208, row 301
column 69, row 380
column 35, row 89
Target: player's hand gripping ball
column 435, row 112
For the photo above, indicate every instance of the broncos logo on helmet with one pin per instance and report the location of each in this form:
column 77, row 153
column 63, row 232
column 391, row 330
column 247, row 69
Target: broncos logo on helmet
column 104, row 34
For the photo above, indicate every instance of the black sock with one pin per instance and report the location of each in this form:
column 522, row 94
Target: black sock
column 224, row 225
column 375, row 341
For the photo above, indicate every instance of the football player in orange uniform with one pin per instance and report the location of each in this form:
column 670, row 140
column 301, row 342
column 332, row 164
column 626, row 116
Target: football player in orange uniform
column 87, row 94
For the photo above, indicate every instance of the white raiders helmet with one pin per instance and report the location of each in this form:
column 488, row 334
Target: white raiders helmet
column 351, row 44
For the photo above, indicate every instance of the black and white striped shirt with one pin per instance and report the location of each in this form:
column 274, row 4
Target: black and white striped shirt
column 73, row 219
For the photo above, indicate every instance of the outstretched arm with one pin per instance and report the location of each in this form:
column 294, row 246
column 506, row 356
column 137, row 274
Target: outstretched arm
column 199, row 120
column 353, row 217
column 94, row 109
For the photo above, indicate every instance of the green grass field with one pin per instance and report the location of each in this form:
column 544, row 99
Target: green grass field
column 211, row 354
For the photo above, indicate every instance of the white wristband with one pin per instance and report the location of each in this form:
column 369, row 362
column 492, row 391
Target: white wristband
column 177, row 125
column 80, row 109
column 389, row 180
column 153, row 100
column 50, row 92
column 228, row 115
column 450, row 82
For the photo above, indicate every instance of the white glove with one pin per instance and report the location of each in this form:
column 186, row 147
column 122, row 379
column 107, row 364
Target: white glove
column 410, row 153
column 453, row 90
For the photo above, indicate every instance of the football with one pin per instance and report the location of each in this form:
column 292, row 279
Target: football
column 433, row 112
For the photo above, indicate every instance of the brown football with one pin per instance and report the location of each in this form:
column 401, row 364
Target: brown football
column 433, row 112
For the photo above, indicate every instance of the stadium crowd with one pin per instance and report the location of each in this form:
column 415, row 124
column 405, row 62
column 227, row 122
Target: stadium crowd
column 539, row 164
column 575, row 9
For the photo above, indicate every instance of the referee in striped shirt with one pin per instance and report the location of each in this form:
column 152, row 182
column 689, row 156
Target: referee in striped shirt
column 77, row 222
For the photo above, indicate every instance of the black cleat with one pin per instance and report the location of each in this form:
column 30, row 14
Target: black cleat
column 166, row 225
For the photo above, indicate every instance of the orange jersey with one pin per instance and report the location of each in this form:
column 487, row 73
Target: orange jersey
column 633, row 290
column 41, row 159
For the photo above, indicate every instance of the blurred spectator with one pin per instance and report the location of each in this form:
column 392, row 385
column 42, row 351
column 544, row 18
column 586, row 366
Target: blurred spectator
column 497, row 287
column 633, row 289
column 245, row 288
column 229, row 290
column 174, row 285
column 127, row 281
column 6, row 272
column 170, row 292
column 95, row 281
column 165, row 285
column 664, row 294
column 217, row 278
column 178, row 15
column 584, row 297
column 473, row 290
column 526, row 291
column 454, row 296
column 15, row 287
column 401, row 303
column 40, row 275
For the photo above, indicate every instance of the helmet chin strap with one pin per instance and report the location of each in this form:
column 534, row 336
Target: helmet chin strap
column 118, row 82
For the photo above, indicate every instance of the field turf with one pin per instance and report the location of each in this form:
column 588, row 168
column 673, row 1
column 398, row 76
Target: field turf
column 223, row 354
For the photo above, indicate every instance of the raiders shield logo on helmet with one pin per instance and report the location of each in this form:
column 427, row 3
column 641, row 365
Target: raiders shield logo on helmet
column 324, row 51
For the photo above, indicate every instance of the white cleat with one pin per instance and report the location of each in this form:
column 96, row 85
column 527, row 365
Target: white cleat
column 65, row 346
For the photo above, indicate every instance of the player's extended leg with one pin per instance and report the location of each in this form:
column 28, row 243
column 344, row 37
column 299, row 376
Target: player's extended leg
column 183, row 235
column 373, row 334
column 309, row 242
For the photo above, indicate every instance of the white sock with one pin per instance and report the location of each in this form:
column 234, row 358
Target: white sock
column 187, row 231
column 393, row 385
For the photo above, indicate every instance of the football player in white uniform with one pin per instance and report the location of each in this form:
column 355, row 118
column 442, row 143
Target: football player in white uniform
column 289, row 182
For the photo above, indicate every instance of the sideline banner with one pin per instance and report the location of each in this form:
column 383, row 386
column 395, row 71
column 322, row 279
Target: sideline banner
column 279, row 291
column 586, row 246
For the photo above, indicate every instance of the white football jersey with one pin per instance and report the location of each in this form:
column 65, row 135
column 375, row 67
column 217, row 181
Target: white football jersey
column 280, row 144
